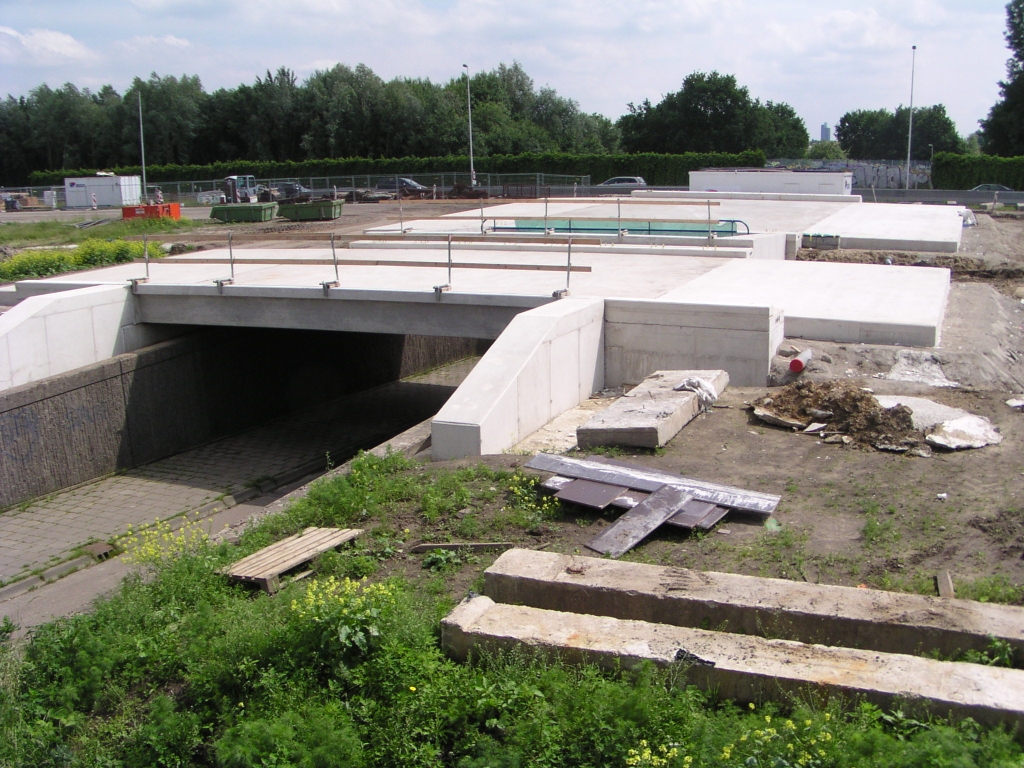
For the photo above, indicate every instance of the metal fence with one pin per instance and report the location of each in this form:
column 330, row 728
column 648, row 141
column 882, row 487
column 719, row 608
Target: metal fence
column 440, row 186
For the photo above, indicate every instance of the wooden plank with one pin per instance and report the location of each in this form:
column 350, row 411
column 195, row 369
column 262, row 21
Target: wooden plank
column 379, row 263
column 944, row 582
column 639, row 522
column 712, row 518
column 692, row 513
column 643, row 479
column 269, row 559
column 590, row 494
column 264, row 567
column 476, row 546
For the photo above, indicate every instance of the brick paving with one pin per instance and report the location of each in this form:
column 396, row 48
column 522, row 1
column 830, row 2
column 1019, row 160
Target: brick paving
column 49, row 530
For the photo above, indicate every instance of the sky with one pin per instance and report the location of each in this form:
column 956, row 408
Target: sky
column 823, row 58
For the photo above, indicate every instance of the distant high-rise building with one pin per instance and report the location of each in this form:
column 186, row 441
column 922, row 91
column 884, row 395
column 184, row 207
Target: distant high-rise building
column 826, row 134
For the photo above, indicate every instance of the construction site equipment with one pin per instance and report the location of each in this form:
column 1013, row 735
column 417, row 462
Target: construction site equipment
column 316, row 210
column 164, row 211
column 240, row 189
column 240, row 212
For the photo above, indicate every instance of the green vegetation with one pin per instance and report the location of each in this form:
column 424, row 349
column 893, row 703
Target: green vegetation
column 20, row 235
column 1001, row 131
column 90, row 254
column 968, row 171
column 180, row 667
column 878, row 134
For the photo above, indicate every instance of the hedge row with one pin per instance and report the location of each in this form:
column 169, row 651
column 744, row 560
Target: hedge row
column 91, row 253
column 655, row 168
column 951, row 171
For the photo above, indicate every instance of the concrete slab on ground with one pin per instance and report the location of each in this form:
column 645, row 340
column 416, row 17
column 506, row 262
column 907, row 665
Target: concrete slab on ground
column 829, row 301
column 867, row 619
column 739, row 667
column 650, row 414
column 889, row 226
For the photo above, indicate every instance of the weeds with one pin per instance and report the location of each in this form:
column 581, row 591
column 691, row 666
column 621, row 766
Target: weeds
column 90, row 254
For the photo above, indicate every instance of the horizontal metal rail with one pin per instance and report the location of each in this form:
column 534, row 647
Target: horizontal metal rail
column 376, row 263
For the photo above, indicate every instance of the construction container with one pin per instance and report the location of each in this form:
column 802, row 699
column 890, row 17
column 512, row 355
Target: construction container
column 318, row 210
column 108, row 191
column 237, row 212
column 163, row 211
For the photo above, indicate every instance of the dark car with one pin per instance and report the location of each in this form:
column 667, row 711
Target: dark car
column 391, row 182
column 991, row 188
column 624, row 181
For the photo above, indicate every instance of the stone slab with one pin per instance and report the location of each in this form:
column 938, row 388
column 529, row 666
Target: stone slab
column 812, row 613
column 827, row 301
column 650, row 414
column 742, row 668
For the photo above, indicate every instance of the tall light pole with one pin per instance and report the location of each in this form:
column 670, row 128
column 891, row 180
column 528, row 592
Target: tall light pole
column 910, row 129
column 469, row 108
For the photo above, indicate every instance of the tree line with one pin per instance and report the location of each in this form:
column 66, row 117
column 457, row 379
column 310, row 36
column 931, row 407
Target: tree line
column 350, row 112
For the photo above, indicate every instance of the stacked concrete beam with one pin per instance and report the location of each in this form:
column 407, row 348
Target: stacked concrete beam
column 739, row 667
column 545, row 362
column 642, row 336
column 614, row 614
column 868, row 619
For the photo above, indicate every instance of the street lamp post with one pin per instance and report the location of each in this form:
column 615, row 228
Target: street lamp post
column 469, row 109
column 910, row 129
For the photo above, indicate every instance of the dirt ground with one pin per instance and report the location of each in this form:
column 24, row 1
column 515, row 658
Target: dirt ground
column 849, row 515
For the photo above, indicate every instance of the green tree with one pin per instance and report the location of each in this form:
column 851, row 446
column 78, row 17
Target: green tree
column 882, row 135
column 825, row 150
column 1002, row 132
column 712, row 113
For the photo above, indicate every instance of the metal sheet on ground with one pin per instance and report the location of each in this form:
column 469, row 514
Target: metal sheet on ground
column 556, row 483
column 692, row 513
column 639, row 522
column 591, row 494
column 629, row 499
column 643, row 479
column 712, row 518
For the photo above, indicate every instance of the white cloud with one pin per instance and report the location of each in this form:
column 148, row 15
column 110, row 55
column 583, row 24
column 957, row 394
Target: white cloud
column 147, row 42
column 42, row 46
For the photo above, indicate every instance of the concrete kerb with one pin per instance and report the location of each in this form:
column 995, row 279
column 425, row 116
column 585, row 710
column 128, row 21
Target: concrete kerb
column 810, row 613
column 742, row 668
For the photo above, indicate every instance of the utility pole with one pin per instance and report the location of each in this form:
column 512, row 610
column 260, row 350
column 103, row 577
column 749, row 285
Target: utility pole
column 469, row 109
column 910, row 129
column 142, row 151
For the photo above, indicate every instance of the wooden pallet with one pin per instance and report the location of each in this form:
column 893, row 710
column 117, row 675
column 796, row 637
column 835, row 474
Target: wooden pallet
column 266, row 566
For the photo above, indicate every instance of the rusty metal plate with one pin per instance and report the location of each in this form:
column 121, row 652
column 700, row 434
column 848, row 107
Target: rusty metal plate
column 556, row 482
column 712, row 519
column 629, row 499
column 591, row 494
column 691, row 514
column 639, row 522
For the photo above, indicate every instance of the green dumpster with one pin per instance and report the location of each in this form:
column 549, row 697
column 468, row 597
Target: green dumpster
column 318, row 210
column 233, row 212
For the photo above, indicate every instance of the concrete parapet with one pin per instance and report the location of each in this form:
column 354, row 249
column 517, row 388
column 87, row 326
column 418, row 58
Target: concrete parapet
column 51, row 334
column 812, row 613
column 545, row 362
column 742, row 668
column 643, row 336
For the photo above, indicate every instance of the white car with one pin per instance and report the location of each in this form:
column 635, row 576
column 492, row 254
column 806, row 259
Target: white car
column 624, row 181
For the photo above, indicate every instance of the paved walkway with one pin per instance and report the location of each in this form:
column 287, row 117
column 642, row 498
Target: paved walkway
column 49, row 530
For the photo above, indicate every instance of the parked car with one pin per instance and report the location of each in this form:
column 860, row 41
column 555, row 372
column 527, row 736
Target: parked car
column 624, row 181
column 391, row 182
column 991, row 188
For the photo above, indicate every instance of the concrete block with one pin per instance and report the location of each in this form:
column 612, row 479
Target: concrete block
column 867, row 619
column 546, row 361
column 651, row 414
column 742, row 668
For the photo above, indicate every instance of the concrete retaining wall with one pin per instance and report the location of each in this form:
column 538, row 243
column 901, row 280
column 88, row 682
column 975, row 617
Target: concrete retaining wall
column 643, row 336
column 138, row 407
column 547, row 361
column 48, row 335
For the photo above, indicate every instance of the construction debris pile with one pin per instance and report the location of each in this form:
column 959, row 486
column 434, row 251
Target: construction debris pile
column 652, row 498
column 843, row 412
